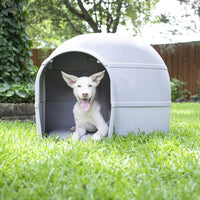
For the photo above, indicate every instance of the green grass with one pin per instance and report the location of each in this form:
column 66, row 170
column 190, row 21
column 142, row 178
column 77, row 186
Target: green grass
column 156, row 166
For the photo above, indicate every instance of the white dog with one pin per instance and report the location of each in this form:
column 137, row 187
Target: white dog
column 86, row 110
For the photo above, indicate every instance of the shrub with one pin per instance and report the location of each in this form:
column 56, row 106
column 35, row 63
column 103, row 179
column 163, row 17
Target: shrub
column 196, row 97
column 17, row 73
column 17, row 93
column 177, row 93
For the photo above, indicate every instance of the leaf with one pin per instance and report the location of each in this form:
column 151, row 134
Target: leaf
column 4, row 87
column 16, row 86
column 21, row 94
column 11, row 59
column 9, row 93
column 2, row 41
column 5, row 12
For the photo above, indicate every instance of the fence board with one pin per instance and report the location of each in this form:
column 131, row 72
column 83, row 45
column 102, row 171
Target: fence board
column 183, row 62
column 39, row 55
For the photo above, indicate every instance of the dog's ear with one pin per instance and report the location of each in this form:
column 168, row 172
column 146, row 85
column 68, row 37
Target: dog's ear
column 70, row 79
column 97, row 77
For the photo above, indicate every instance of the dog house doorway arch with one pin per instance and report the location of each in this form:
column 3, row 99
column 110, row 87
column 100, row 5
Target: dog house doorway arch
column 54, row 100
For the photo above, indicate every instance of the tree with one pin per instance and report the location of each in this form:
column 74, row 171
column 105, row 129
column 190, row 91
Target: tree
column 178, row 26
column 98, row 13
column 47, row 23
column 194, row 4
column 67, row 18
column 195, row 16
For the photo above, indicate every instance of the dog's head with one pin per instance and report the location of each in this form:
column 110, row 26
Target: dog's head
column 84, row 88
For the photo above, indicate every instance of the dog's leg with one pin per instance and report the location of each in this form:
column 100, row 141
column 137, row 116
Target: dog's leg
column 101, row 133
column 73, row 129
column 101, row 126
column 79, row 133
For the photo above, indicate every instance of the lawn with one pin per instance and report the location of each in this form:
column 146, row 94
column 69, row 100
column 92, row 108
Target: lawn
column 157, row 166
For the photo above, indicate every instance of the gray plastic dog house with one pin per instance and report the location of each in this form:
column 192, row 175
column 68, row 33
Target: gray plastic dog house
column 134, row 94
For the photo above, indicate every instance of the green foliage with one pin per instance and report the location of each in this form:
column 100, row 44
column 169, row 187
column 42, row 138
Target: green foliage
column 141, row 167
column 196, row 97
column 51, row 22
column 16, row 68
column 177, row 93
column 48, row 25
column 139, row 13
column 17, row 93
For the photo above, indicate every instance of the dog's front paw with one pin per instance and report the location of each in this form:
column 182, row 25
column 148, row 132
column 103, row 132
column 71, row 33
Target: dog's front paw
column 75, row 136
column 97, row 137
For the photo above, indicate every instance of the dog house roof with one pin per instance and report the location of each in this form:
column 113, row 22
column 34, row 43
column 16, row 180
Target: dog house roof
column 111, row 49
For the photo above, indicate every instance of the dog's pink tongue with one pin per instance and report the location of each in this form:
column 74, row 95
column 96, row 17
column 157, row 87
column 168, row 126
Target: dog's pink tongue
column 85, row 104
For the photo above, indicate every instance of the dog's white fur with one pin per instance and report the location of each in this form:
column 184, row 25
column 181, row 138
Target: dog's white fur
column 86, row 111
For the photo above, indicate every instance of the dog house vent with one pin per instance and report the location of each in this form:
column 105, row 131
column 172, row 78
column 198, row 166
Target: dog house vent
column 135, row 92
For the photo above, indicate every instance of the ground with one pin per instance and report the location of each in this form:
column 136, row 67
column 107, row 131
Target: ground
column 157, row 166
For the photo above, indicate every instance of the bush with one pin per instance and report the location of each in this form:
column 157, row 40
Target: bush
column 17, row 73
column 17, row 93
column 195, row 97
column 177, row 93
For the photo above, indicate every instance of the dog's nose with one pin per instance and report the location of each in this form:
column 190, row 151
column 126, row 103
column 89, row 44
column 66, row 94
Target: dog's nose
column 85, row 94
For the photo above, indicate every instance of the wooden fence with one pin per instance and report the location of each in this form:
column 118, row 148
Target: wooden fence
column 182, row 60
column 39, row 55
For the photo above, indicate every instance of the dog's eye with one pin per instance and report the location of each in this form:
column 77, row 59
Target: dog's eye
column 79, row 86
column 89, row 85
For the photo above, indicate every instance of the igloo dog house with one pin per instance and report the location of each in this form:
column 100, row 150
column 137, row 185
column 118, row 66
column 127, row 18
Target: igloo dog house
column 134, row 94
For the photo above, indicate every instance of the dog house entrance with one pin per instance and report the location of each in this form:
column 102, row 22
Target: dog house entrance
column 59, row 99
